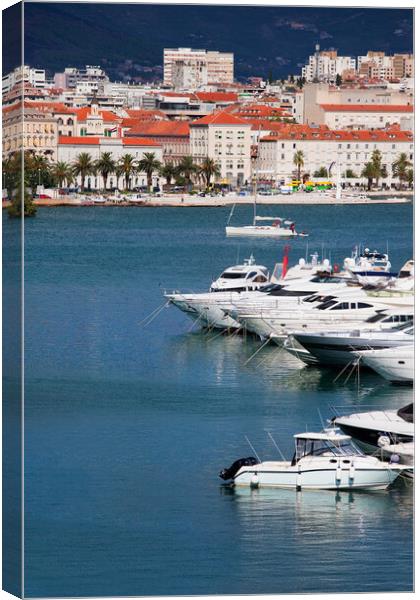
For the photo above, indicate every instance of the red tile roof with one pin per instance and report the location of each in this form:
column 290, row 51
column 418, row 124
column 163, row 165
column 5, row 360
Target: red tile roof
column 324, row 134
column 138, row 141
column 367, row 107
column 219, row 118
column 78, row 140
column 107, row 115
column 217, row 96
column 146, row 115
column 161, row 129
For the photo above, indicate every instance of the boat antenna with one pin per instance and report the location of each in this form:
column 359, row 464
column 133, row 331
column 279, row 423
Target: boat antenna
column 274, row 442
column 307, row 251
column 252, row 448
column 237, row 255
column 231, row 214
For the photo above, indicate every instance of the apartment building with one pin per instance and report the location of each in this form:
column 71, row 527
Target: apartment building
column 378, row 65
column 309, row 105
column 226, row 139
column 28, row 128
column 172, row 136
column 325, row 65
column 94, row 78
column 324, row 147
column 186, row 67
column 20, row 76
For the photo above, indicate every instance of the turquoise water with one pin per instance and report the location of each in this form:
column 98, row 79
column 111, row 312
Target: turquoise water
column 127, row 427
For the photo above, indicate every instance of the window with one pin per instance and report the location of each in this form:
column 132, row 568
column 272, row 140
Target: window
column 341, row 306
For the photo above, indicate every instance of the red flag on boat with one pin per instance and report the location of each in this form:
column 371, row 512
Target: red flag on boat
column 285, row 261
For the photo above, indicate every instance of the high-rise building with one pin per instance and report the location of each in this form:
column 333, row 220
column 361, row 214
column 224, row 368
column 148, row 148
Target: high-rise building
column 325, row 65
column 22, row 75
column 186, row 67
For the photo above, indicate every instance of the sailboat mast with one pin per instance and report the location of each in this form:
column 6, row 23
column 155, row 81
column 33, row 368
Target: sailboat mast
column 254, row 156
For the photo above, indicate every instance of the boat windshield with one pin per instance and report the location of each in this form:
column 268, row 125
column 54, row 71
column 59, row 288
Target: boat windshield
column 228, row 275
column 307, row 447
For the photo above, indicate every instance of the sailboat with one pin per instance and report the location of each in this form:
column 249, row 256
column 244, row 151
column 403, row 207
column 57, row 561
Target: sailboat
column 277, row 227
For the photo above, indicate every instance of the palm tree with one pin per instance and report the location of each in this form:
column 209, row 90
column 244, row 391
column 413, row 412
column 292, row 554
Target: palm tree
column 400, row 166
column 369, row 172
column 410, row 177
column 169, row 172
column 208, row 169
column 105, row 165
column 298, row 161
column 37, row 170
column 128, row 168
column 62, row 172
column 83, row 166
column 149, row 164
column 187, row 168
column 321, row 172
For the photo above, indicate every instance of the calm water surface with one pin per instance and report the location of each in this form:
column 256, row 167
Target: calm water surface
column 127, row 426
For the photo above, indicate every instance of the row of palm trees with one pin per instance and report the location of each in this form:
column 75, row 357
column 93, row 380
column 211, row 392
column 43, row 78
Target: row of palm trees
column 127, row 166
column 374, row 170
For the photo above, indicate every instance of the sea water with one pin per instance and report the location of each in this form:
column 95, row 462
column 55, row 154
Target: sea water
column 127, row 424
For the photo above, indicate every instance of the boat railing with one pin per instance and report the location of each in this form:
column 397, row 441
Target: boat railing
column 345, row 411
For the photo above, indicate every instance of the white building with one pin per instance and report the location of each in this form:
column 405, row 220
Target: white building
column 226, row 139
column 322, row 147
column 325, row 65
column 69, row 147
column 22, row 75
column 207, row 66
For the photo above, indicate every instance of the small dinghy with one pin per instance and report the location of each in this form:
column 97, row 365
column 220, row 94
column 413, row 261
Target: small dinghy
column 328, row 460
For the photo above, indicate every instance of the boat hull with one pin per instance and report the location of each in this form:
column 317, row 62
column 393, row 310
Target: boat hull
column 260, row 231
column 317, row 479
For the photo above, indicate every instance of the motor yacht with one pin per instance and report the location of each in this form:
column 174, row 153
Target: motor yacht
column 337, row 348
column 328, row 460
column 371, row 268
column 378, row 428
column 394, row 364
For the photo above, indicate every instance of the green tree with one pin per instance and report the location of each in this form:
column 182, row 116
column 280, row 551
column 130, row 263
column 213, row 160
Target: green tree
column 369, row 172
column 105, row 165
column 169, row 172
column 83, row 166
column 350, row 174
column 38, row 170
column 298, row 161
column 300, row 82
column 128, row 166
column 209, row 169
column 338, row 80
column 187, row 168
column 410, row 177
column 376, row 160
column 321, row 172
column 400, row 167
column 62, row 173
column 149, row 164
column 21, row 199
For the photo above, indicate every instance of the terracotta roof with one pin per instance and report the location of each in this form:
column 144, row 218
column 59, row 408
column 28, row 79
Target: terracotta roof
column 78, row 140
column 138, row 141
column 96, row 141
column 107, row 115
column 362, row 135
column 367, row 107
column 53, row 107
column 161, row 129
column 142, row 114
column 259, row 110
column 219, row 118
column 217, row 96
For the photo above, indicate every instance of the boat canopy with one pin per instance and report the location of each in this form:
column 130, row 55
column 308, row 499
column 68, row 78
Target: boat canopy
column 331, row 436
column 268, row 218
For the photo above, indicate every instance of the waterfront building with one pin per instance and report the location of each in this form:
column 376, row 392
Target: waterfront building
column 172, row 136
column 322, row 147
column 325, row 65
column 194, row 68
column 23, row 75
column 69, row 147
column 29, row 128
column 225, row 138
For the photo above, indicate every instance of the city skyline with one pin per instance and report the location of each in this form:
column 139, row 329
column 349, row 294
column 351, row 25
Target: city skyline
column 265, row 40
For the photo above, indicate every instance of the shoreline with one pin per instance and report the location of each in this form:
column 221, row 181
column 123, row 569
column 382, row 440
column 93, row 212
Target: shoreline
column 178, row 201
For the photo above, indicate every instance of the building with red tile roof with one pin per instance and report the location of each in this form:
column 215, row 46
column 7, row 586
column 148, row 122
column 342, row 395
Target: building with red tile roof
column 174, row 136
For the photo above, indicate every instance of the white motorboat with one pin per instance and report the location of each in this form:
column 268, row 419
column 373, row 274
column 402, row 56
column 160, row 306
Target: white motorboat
column 135, row 198
column 278, row 227
column 98, row 199
column 328, row 461
column 378, row 428
column 394, row 364
column 336, row 348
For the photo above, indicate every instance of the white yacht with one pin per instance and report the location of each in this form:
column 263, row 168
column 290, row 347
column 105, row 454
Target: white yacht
column 328, row 461
column 277, row 228
column 342, row 311
column 378, row 428
column 371, row 268
column 336, row 348
column 394, row 364
column 243, row 282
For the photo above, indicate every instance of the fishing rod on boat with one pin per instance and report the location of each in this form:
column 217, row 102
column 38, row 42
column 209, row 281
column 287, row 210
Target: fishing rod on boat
column 274, row 442
column 252, row 448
